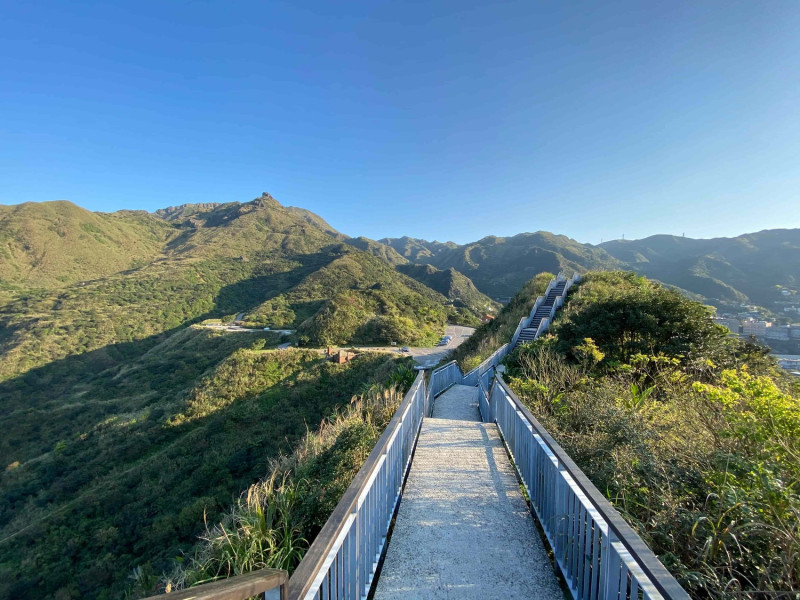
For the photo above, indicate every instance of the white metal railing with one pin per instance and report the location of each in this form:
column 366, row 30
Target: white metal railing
column 598, row 553
column 442, row 379
column 483, row 371
column 483, row 404
column 344, row 556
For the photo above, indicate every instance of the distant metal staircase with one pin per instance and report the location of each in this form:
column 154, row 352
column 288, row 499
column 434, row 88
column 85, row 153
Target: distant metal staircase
column 542, row 312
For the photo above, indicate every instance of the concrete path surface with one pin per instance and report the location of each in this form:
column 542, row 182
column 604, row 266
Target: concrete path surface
column 463, row 529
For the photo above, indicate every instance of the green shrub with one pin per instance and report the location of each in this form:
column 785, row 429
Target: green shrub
column 693, row 436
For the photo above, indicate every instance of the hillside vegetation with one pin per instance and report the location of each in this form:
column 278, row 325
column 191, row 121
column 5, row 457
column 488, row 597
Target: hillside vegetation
column 57, row 243
column 65, row 294
column 732, row 269
column 499, row 266
column 123, row 423
column 490, row 336
column 274, row 521
column 115, row 470
column 467, row 302
column 693, row 435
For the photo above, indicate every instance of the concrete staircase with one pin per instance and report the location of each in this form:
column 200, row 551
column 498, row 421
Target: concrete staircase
column 529, row 333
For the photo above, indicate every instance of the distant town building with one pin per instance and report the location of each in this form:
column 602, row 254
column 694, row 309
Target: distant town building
column 789, row 362
column 778, row 332
column 756, row 328
column 794, row 331
column 487, row 319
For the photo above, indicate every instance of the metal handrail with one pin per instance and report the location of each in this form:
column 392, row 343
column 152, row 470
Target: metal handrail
column 443, row 378
column 239, row 587
column 342, row 560
column 579, row 521
column 523, row 323
column 477, row 374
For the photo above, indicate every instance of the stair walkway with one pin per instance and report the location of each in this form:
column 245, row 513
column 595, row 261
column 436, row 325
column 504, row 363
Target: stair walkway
column 463, row 529
column 529, row 333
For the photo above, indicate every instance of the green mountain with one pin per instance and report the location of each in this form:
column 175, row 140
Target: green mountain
column 378, row 249
column 750, row 268
column 55, row 244
column 124, row 424
column 75, row 281
column 747, row 267
column 499, row 266
column 455, row 286
column 416, row 250
column 125, row 420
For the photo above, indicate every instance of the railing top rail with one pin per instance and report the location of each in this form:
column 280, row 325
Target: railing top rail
column 303, row 577
column 239, row 587
column 444, row 366
column 647, row 560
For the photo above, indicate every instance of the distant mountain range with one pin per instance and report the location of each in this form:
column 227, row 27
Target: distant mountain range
column 287, row 267
column 746, row 268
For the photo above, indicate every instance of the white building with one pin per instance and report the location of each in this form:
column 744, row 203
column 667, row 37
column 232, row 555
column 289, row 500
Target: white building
column 756, row 328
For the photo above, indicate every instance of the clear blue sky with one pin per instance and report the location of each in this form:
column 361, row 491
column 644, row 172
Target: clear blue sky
column 443, row 120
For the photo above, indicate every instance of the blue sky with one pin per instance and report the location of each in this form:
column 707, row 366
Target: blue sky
column 441, row 120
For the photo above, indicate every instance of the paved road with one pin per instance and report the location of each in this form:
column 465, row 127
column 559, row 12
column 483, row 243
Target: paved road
column 463, row 529
column 422, row 356
column 431, row 356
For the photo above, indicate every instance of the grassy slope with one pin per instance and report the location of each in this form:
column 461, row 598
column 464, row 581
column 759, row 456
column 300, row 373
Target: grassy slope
column 54, row 244
column 114, row 447
column 128, row 476
column 275, row 520
column 370, row 302
column 218, row 261
column 316, row 306
column 455, row 286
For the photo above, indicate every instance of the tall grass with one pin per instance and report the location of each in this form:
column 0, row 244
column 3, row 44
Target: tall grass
column 275, row 520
